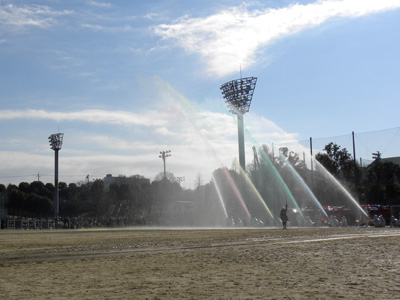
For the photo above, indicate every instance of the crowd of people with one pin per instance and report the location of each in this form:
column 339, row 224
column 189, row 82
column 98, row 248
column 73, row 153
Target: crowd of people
column 71, row 223
column 287, row 217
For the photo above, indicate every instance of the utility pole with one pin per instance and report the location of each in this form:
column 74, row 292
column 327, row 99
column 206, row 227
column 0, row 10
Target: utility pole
column 163, row 155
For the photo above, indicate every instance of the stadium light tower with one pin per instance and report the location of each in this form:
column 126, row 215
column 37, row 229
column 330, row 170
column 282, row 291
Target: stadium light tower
column 238, row 94
column 56, row 141
column 180, row 179
column 163, row 155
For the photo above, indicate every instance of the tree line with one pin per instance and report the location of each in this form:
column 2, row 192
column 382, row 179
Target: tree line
column 376, row 184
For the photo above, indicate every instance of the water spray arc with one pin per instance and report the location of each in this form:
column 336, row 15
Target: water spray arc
column 277, row 176
column 273, row 184
column 302, row 183
column 340, row 187
column 187, row 109
column 220, row 198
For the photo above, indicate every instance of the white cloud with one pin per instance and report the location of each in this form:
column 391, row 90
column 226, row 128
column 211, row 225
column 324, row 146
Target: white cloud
column 13, row 16
column 235, row 36
column 152, row 16
column 95, row 116
column 113, row 143
column 201, row 141
column 95, row 27
column 262, row 129
column 100, row 4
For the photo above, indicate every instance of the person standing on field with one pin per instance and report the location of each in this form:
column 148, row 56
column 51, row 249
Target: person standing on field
column 284, row 217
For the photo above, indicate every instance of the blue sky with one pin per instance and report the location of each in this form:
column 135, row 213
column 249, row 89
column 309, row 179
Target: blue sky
column 124, row 80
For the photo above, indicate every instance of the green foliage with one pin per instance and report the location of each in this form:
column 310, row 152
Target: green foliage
column 15, row 200
column 97, row 199
column 271, row 175
column 337, row 161
column 340, row 164
column 382, row 183
column 38, row 206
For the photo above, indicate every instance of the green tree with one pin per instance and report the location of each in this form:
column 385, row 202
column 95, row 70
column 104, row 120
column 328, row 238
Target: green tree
column 118, row 193
column 338, row 162
column 84, row 205
column 38, row 206
column 38, row 188
column 383, row 182
column 98, row 198
column 70, row 201
column 24, row 187
column 292, row 157
column 164, row 194
column 16, row 201
column 169, row 176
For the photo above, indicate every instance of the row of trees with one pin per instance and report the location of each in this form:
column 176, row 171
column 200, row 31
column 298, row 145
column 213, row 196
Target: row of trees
column 91, row 200
column 124, row 198
column 271, row 175
column 378, row 183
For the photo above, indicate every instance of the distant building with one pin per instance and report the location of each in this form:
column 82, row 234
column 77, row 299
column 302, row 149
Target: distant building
column 395, row 160
column 135, row 179
column 366, row 167
column 367, row 163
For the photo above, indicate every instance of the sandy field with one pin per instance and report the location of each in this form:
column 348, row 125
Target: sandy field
column 313, row 263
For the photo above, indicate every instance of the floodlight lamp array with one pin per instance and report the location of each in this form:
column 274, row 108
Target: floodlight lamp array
column 56, row 141
column 164, row 154
column 238, row 94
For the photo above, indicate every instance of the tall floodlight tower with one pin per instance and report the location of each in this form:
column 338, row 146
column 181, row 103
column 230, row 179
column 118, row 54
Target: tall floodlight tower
column 238, row 95
column 56, row 141
column 163, row 155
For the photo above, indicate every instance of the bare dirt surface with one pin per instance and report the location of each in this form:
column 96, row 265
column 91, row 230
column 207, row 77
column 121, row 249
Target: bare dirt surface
column 314, row 263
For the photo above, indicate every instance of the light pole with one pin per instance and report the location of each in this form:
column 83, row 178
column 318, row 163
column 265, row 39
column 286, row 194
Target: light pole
column 180, row 179
column 56, row 141
column 163, row 155
column 238, row 94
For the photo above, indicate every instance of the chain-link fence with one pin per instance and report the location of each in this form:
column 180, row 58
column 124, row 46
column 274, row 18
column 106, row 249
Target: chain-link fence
column 363, row 145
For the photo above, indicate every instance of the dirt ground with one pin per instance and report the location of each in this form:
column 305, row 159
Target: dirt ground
column 313, row 263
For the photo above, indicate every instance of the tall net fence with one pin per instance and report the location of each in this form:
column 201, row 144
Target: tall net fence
column 386, row 141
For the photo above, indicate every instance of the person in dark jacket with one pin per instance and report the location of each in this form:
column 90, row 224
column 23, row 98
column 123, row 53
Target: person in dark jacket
column 283, row 216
